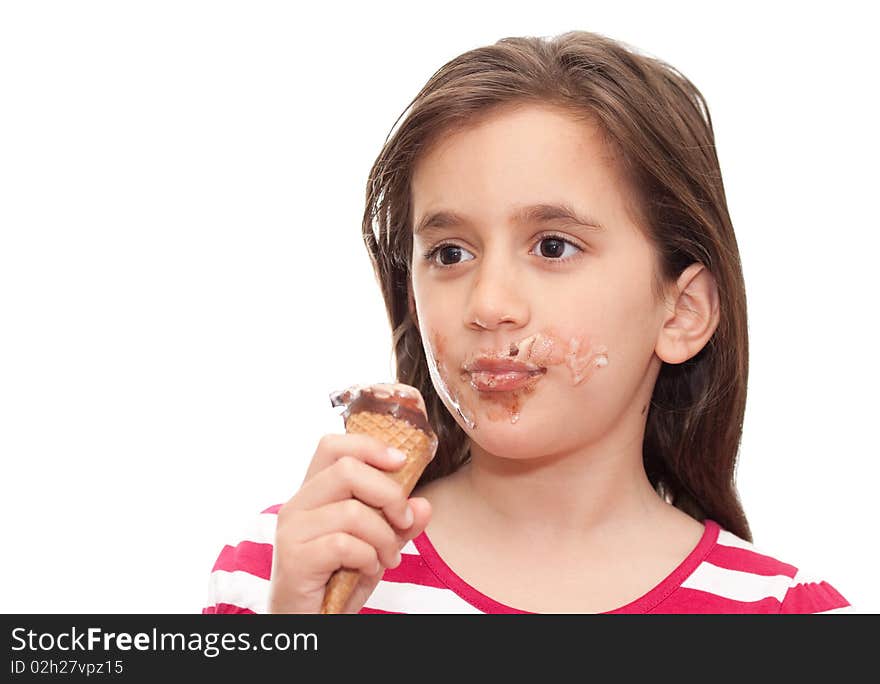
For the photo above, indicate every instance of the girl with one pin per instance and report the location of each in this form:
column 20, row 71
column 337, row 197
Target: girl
column 550, row 233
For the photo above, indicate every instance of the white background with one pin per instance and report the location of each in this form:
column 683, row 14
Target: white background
column 183, row 281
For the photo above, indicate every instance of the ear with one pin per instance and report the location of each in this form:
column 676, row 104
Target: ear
column 692, row 315
column 411, row 302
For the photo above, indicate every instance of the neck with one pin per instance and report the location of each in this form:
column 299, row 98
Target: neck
column 598, row 488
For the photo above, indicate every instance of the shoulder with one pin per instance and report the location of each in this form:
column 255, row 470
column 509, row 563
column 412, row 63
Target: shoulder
column 736, row 576
column 239, row 581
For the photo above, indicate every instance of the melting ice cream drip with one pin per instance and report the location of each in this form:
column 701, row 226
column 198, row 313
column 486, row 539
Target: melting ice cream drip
column 583, row 366
column 443, row 389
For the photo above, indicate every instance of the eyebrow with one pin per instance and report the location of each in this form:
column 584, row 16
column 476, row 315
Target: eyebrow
column 533, row 213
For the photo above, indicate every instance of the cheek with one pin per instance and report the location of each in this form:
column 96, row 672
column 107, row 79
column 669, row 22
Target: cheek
column 429, row 302
column 419, row 295
column 618, row 309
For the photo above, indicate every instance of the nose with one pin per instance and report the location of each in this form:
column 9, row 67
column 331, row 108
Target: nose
column 497, row 296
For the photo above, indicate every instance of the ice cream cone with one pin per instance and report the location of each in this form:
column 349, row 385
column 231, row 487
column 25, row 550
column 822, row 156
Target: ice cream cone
column 395, row 414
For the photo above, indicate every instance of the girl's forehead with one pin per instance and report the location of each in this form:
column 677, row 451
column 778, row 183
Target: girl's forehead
column 527, row 135
column 525, row 158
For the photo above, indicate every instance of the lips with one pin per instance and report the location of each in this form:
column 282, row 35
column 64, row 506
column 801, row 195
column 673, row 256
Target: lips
column 502, row 374
column 504, row 381
column 491, row 365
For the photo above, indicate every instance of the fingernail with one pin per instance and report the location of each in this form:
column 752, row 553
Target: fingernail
column 396, row 455
column 408, row 516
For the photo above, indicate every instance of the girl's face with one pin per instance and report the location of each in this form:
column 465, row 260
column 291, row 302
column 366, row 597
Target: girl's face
column 531, row 285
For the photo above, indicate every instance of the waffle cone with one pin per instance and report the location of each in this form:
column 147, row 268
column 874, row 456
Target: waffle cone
column 419, row 449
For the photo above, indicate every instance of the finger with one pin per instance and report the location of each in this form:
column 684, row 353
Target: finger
column 355, row 518
column 340, row 550
column 348, row 477
column 421, row 509
column 365, row 448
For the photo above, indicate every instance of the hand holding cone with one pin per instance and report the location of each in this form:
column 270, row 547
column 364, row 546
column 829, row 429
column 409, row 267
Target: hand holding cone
column 394, row 413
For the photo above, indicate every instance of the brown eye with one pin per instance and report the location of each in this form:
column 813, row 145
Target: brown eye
column 552, row 248
column 449, row 254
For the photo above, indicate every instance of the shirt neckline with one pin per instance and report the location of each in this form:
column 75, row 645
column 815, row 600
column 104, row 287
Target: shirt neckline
column 644, row 604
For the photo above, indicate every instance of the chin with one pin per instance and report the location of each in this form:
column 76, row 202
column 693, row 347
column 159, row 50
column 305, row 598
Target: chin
column 518, row 440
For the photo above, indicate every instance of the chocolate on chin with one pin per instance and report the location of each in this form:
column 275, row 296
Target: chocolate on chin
column 395, row 414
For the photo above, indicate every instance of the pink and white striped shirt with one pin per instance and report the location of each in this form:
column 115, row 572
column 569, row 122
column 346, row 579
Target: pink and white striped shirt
column 723, row 574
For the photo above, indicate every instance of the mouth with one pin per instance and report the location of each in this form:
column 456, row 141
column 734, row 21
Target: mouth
column 504, row 380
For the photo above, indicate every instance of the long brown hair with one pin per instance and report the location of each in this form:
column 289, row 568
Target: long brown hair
column 657, row 125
